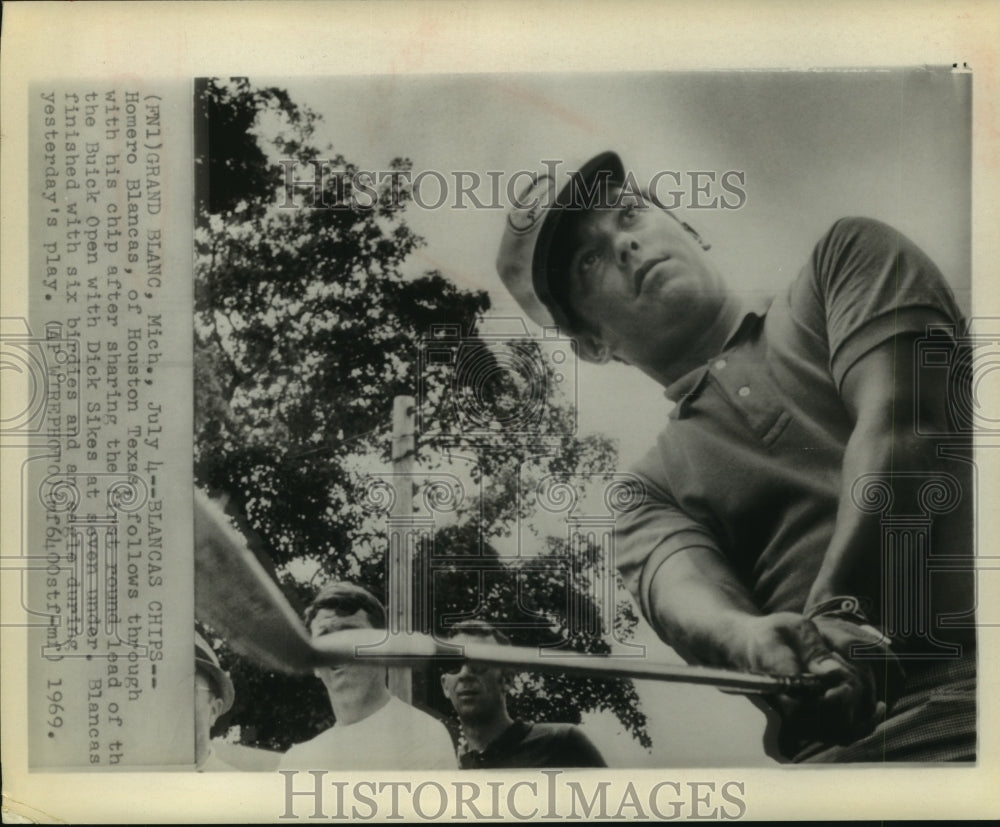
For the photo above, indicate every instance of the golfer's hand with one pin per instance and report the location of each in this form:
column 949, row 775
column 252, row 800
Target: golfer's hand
column 842, row 710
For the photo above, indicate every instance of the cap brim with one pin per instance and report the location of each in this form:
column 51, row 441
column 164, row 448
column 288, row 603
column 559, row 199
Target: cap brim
column 542, row 268
column 221, row 681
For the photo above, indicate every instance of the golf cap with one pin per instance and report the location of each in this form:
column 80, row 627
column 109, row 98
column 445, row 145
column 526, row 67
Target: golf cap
column 529, row 262
column 206, row 662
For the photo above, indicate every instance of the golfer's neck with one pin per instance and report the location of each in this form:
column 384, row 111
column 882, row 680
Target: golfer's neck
column 709, row 344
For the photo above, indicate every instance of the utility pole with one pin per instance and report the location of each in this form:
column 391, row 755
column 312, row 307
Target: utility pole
column 400, row 561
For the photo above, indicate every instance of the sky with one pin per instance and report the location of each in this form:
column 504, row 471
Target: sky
column 809, row 147
column 812, row 147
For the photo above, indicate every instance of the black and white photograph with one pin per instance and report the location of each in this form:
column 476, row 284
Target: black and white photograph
column 511, row 439
column 349, row 283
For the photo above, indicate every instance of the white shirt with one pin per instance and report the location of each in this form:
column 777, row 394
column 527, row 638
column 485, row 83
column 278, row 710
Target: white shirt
column 397, row 737
column 213, row 763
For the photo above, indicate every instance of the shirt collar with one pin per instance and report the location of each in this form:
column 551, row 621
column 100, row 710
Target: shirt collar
column 514, row 734
column 687, row 387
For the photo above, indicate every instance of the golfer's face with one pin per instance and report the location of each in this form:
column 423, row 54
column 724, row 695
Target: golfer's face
column 641, row 281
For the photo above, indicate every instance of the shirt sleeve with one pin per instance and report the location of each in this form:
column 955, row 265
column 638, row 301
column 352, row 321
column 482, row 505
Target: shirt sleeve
column 651, row 532
column 580, row 750
column 872, row 284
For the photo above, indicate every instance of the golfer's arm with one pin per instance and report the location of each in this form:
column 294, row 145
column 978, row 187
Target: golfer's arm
column 883, row 397
column 700, row 607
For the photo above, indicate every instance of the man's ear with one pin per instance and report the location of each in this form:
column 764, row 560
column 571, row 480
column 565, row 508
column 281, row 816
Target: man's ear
column 444, row 684
column 507, row 679
column 216, row 710
column 593, row 349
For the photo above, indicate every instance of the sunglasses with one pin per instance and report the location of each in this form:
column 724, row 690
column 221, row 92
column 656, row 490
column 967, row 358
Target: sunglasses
column 475, row 667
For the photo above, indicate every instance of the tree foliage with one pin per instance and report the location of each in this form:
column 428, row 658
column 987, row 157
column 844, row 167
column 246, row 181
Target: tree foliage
column 305, row 331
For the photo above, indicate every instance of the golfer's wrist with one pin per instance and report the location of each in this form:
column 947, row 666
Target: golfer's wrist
column 699, row 608
column 719, row 638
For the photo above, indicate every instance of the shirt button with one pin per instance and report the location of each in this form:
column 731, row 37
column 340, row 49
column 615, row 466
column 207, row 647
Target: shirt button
column 720, row 364
column 744, row 391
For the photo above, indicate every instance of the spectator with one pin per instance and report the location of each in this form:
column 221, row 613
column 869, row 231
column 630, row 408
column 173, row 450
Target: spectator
column 213, row 697
column 373, row 729
column 494, row 740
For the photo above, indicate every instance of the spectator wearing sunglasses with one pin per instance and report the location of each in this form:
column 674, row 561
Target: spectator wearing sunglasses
column 492, row 738
column 372, row 729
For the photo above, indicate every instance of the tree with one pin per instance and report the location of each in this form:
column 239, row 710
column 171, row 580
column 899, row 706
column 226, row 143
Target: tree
column 305, row 331
column 234, row 174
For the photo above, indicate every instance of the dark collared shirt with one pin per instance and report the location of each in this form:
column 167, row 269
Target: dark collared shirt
column 530, row 745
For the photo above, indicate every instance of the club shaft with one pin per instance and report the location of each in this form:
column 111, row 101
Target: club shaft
column 416, row 650
column 240, row 601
